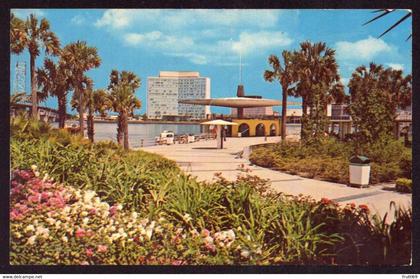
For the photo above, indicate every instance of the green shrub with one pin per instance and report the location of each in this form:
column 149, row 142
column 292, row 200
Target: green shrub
column 404, row 185
column 329, row 159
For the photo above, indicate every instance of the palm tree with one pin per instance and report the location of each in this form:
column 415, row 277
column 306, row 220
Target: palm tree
column 18, row 37
column 17, row 98
column 80, row 58
column 96, row 101
column 33, row 36
column 317, row 80
column 285, row 77
column 122, row 87
column 53, row 80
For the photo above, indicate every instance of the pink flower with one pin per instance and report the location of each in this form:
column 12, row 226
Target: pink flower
column 80, row 233
column 45, row 195
column 35, row 198
column 364, row 208
column 102, row 248
column 113, row 209
column 176, row 262
column 15, row 214
column 89, row 252
column 210, row 247
column 92, row 211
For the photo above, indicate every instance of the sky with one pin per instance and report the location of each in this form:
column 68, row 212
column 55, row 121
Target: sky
column 211, row 42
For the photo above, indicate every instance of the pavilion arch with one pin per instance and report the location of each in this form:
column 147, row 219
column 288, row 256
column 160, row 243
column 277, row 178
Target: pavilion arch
column 244, row 130
column 273, row 129
column 260, row 130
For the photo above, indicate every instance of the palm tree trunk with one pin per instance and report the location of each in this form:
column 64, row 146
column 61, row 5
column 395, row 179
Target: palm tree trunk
column 284, row 113
column 62, row 113
column 90, row 128
column 81, row 110
column 33, row 88
column 119, row 129
column 125, row 127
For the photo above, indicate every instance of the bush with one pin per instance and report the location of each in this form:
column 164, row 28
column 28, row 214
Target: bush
column 329, row 159
column 404, row 185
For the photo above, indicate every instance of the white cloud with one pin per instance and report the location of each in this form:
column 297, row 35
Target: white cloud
column 192, row 57
column 158, row 40
column 362, row 50
column 395, row 66
column 260, row 41
column 78, row 20
column 24, row 13
column 172, row 19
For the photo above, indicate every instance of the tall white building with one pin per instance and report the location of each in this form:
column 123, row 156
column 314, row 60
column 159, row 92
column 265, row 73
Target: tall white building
column 164, row 91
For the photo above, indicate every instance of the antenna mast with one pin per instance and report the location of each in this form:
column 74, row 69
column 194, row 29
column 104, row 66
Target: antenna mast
column 240, row 67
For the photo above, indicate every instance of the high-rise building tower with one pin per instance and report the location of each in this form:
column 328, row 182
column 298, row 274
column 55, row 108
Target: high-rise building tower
column 20, row 78
column 164, row 91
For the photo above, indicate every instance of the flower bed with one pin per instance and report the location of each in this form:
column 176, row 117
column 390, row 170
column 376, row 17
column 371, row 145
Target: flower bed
column 115, row 207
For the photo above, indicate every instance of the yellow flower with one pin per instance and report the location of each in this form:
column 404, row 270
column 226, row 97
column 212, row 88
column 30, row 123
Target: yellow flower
column 29, row 228
column 34, row 167
column 64, row 239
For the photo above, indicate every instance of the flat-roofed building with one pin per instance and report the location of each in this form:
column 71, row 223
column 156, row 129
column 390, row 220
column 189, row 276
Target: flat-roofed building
column 164, row 92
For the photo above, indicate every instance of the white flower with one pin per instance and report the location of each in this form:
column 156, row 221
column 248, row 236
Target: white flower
column 88, row 196
column 248, row 237
column 119, row 207
column 37, row 173
column 187, row 217
column 34, row 167
column 161, row 220
column 230, row 234
column 221, row 244
column 45, row 177
column 64, row 239
column 96, row 200
column 121, row 230
column 57, row 224
column 208, row 239
column 149, row 232
column 134, row 215
column 31, row 240
column 66, row 209
column 144, row 222
column 152, row 224
column 29, row 228
column 245, row 253
column 85, row 221
column 142, row 231
column 50, row 220
column 104, row 205
column 112, row 228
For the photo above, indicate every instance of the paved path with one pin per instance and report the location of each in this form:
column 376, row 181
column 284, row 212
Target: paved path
column 203, row 160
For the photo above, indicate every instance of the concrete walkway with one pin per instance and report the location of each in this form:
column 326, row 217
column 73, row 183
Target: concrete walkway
column 203, row 160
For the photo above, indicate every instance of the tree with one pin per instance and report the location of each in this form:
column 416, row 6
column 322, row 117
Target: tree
column 18, row 37
column 284, row 74
column 53, row 81
column 317, row 83
column 96, row 101
column 80, row 58
column 33, row 36
column 122, row 88
column 376, row 94
column 386, row 12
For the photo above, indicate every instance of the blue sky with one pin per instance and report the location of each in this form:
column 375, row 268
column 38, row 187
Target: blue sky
column 211, row 41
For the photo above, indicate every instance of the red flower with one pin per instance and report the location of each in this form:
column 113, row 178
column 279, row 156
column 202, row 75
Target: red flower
column 80, row 233
column 325, row 201
column 352, row 205
column 113, row 210
column 89, row 252
column 364, row 207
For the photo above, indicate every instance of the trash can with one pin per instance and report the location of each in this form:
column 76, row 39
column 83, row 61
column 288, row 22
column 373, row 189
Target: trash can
column 359, row 169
